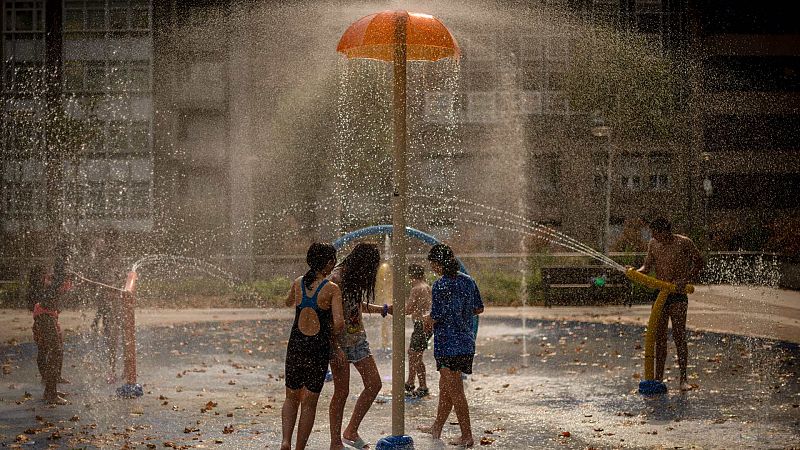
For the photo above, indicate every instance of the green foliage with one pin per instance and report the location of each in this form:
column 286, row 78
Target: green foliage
column 273, row 291
column 9, row 296
column 628, row 81
column 499, row 288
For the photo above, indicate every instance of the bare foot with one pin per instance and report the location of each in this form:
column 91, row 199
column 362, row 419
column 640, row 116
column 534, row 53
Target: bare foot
column 463, row 442
column 55, row 400
column 688, row 387
column 428, row 429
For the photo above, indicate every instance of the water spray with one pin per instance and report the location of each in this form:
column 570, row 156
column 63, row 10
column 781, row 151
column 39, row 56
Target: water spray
column 127, row 297
column 651, row 386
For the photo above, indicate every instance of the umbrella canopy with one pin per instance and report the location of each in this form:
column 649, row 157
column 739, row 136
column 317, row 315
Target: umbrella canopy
column 374, row 37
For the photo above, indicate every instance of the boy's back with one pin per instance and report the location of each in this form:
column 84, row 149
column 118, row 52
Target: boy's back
column 419, row 303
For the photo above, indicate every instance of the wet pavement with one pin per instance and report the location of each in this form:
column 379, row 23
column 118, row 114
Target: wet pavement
column 537, row 384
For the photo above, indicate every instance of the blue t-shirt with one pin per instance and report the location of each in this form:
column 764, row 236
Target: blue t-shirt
column 455, row 300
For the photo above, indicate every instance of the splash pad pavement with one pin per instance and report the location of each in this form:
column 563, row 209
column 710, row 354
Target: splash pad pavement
column 213, row 379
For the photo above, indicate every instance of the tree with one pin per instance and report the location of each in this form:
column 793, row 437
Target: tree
column 628, row 81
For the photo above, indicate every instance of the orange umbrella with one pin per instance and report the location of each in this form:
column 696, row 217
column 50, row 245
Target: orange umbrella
column 398, row 36
column 375, row 37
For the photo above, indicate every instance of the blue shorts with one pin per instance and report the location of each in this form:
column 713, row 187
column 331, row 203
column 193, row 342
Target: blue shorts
column 357, row 351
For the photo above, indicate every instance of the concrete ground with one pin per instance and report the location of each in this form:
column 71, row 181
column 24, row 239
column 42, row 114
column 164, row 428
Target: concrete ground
column 544, row 378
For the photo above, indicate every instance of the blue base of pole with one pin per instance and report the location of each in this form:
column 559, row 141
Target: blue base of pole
column 652, row 387
column 403, row 442
column 130, row 391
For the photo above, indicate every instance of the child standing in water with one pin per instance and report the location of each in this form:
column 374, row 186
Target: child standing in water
column 44, row 291
column 418, row 306
column 318, row 316
column 456, row 300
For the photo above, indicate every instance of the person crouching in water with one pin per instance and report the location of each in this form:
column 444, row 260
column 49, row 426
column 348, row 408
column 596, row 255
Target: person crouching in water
column 418, row 306
column 318, row 317
column 44, row 291
column 455, row 300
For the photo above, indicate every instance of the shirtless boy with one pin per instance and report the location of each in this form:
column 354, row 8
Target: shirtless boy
column 418, row 306
column 676, row 259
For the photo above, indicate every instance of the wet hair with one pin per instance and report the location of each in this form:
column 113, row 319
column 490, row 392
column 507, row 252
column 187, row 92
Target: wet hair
column 318, row 256
column 416, row 271
column 35, row 286
column 359, row 270
column 661, row 225
column 443, row 255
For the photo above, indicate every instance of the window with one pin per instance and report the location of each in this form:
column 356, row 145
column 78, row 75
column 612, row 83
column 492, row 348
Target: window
column 648, row 5
column 732, row 191
column 93, row 15
column 659, row 182
column 660, row 179
column 74, row 19
column 127, row 137
column 481, row 48
column 599, row 165
column 96, row 19
column 531, row 48
column 629, row 169
column 530, row 102
column 107, row 76
column 481, row 107
column 22, row 188
column 440, row 107
column 74, row 76
column 117, row 188
column 556, row 103
column 631, row 182
column 531, row 78
column 558, row 48
column 752, row 132
column 25, row 16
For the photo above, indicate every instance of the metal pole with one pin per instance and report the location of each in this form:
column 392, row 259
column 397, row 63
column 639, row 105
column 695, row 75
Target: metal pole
column 607, row 218
column 399, row 245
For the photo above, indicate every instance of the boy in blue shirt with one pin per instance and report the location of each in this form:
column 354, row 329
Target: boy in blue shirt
column 455, row 300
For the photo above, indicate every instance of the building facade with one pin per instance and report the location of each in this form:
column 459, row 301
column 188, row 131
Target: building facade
column 221, row 128
column 77, row 124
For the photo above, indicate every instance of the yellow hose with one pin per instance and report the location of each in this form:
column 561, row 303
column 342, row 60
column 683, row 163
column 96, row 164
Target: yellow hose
column 664, row 289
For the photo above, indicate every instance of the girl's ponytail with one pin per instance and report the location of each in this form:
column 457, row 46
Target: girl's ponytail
column 318, row 256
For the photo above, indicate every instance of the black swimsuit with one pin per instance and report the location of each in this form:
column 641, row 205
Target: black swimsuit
column 307, row 356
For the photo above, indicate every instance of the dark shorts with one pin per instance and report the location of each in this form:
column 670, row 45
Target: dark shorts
column 419, row 338
column 308, row 372
column 460, row 363
column 676, row 298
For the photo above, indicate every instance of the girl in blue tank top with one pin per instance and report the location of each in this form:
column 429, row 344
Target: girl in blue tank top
column 318, row 315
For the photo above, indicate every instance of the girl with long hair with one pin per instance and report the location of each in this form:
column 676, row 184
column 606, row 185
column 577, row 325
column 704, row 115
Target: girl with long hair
column 356, row 276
